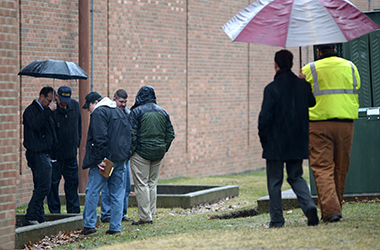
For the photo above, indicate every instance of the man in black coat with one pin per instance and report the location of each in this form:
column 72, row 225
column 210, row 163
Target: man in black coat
column 68, row 126
column 39, row 138
column 284, row 136
column 109, row 136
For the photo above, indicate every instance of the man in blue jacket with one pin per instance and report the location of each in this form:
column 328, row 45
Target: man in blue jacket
column 153, row 135
column 68, row 126
column 284, row 136
column 109, row 136
column 39, row 138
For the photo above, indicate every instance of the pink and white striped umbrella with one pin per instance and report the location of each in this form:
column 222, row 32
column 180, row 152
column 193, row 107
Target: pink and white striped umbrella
column 291, row 23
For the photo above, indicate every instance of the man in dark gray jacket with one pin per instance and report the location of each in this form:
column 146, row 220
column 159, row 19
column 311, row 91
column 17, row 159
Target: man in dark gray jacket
column 109, row 137
column 284, row 135
column 68, row 126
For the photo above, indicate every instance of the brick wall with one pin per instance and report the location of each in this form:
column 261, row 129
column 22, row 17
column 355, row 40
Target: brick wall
column 211, row 88
column 10, row 123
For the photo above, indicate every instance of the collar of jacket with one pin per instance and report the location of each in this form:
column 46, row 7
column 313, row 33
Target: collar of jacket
column 327, row 55
column 106, row 102
column 280, row 71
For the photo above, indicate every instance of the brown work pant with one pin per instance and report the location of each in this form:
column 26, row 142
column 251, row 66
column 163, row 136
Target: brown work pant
column 330, row 146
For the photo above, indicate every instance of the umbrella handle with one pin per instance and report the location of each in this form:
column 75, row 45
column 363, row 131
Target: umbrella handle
column 300, row 52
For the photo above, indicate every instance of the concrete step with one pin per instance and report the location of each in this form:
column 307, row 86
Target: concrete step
column 289, row 200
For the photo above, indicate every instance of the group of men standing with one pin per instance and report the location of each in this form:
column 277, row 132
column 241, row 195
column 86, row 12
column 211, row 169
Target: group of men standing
column 52, row 134
column 309, row 116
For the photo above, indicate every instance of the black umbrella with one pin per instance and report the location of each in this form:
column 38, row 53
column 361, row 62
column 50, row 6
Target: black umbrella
column 54, row 69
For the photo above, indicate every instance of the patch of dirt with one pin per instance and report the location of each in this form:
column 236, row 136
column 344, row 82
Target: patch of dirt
column 237, row 214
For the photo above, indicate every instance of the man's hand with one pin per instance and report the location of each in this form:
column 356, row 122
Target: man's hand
column 52, row 105
column 101, row 166
column 302, row 75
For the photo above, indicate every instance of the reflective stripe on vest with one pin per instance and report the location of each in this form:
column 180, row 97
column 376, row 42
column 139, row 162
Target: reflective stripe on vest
column 317, row 91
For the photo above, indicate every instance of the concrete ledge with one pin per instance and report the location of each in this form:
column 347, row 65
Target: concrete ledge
column 185, row 196
column 289, row 200
column 54, row 223
column 208, row 194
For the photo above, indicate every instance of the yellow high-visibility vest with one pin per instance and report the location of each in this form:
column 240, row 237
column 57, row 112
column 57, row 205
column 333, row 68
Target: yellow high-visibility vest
column 335, row 83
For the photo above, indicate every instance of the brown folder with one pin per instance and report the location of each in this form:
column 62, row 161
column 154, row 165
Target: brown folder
column 107, row 169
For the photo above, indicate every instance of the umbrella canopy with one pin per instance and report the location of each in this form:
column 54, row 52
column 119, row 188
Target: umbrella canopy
column 291, row 23
column 54, row 69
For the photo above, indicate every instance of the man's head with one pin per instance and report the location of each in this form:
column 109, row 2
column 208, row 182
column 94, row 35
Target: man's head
column 120, row 97
column 46, row 96
column 92, row 99
column 325, row 48
column 283, row 59
column 63, row 96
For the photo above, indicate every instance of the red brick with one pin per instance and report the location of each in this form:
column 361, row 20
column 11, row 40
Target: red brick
column 211, row 88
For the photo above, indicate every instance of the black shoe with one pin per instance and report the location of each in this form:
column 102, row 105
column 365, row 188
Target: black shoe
column 140, row 222
column 112, row 232
column 272, row 226
column 126, row 219
column 87, row 231
column 106, row 220
column 312, row 217
column 31, row 223
column 336, row 218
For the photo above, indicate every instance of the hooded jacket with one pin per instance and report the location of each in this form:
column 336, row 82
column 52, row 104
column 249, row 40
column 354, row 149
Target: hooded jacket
column 152, row 129
column 284, row 117
column 109, row 135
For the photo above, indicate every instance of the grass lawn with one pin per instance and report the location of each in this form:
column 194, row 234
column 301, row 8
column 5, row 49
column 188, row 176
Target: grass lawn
column 179, row 228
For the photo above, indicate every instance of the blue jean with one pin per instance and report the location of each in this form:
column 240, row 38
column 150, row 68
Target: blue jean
column 106, row 200
column 69, row 170
column 95, row 183
column 40, row 164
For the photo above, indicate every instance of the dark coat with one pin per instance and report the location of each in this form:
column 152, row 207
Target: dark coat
column 109, row 135
column 284, row 117
column 152, row 128
column 39, row 131
column 68, row 126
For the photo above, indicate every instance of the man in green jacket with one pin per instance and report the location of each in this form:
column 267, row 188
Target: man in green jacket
column 153, row 133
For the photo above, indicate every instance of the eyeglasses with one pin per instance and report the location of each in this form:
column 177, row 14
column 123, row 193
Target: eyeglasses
column 49, row 100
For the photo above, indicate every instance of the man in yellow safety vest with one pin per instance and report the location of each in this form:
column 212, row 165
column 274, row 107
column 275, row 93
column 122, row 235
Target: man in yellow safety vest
column 335, row 83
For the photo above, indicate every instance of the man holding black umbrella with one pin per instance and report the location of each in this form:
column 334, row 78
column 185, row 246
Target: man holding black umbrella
column 39, row 138
column 68, row 125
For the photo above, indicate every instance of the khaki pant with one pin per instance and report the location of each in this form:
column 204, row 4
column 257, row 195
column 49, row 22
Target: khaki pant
column 330, row 146
column 145, row 175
